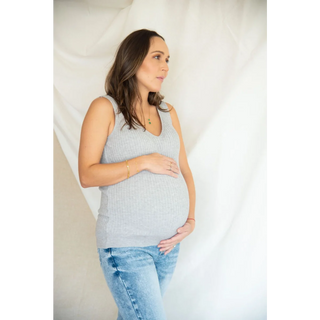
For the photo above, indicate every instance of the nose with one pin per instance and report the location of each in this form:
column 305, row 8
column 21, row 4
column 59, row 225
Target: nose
column 165, row 67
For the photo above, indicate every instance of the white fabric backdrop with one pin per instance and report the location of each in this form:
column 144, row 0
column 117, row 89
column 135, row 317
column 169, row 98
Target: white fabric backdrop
column 217, row 83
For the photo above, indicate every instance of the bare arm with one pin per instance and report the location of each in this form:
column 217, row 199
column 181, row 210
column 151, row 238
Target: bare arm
column 184, row 166
column 94, row 134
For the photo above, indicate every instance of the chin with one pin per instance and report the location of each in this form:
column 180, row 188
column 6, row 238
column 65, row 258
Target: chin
column 156, row 89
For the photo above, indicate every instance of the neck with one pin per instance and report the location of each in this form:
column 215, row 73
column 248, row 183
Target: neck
column 143, row 106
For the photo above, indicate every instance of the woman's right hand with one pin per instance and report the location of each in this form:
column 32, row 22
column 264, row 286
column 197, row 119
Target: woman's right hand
column 158, row 163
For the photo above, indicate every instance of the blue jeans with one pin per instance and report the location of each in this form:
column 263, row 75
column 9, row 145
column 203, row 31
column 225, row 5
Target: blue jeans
column 138, row 277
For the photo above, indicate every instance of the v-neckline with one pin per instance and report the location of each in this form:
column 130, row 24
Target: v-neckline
column 161, row 126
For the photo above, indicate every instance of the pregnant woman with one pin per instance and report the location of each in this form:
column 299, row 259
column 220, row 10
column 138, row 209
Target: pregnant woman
column 131, row 147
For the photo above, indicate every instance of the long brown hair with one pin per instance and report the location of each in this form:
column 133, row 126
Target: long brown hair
column 121, row 82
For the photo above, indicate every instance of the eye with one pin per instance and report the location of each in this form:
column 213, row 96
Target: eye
column 158, row 56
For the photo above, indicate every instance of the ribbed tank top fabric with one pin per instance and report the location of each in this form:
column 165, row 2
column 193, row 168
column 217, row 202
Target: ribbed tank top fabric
column 147, row 207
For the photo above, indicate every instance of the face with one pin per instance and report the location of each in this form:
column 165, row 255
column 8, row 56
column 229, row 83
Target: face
column 154, row 68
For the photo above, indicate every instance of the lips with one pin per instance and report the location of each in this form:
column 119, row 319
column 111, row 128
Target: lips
column 160, row 78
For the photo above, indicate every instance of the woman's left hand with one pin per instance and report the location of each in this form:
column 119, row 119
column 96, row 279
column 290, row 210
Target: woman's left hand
column 182, row 233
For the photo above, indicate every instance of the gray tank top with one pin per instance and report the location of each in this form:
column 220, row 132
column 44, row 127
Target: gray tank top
column 147, row 207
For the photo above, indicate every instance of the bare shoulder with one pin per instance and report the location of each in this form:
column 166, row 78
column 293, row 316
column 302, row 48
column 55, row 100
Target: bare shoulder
column 94, row 131
column 101, row 111
column 101, row 105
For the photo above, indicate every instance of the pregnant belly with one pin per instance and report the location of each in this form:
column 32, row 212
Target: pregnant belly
column 148, row 204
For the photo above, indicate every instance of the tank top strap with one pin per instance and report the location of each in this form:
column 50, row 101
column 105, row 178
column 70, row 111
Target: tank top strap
column 163, row 105
column 165, row 115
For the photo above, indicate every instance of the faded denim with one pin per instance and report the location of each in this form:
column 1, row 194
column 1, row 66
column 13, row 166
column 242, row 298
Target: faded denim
column 138, row 277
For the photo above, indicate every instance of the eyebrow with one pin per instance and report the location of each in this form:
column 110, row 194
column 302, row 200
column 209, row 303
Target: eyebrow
column 160, row 52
